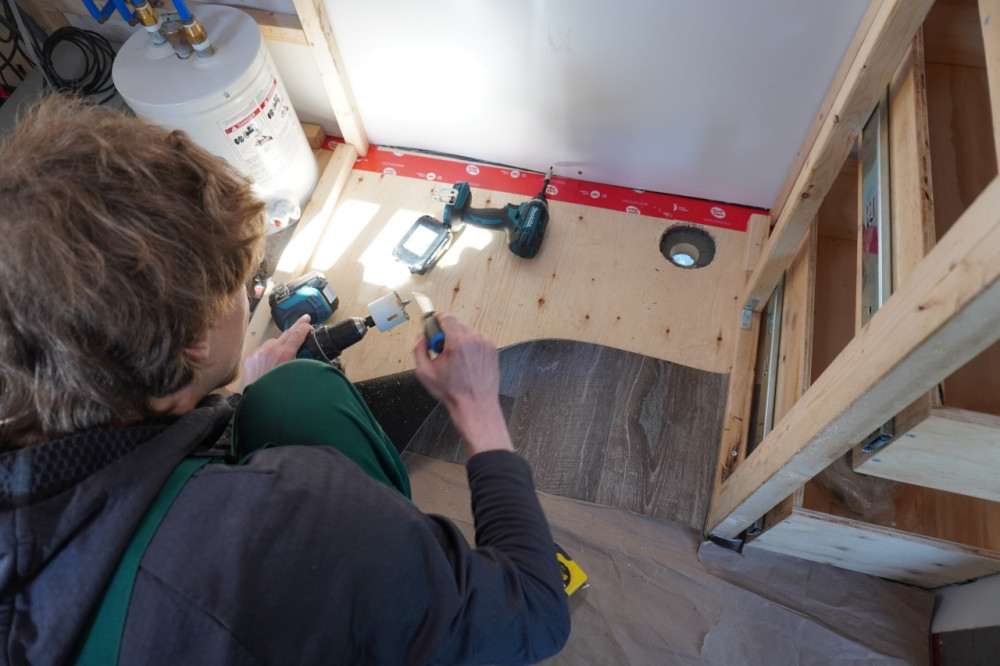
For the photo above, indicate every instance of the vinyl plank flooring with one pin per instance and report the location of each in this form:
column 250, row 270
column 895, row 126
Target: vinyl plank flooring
column 606, row 426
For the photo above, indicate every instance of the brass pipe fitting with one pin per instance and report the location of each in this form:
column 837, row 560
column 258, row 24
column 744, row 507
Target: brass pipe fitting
column 146, row 14
column 198, row 38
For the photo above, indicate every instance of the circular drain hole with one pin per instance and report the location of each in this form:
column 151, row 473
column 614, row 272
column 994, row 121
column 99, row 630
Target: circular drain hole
column 687, row 247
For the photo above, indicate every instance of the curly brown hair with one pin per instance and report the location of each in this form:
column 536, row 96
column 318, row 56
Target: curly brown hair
column 122, row 244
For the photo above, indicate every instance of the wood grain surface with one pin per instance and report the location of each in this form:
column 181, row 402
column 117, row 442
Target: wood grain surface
column 945, row 315
column 605, row 426
column 599, row 278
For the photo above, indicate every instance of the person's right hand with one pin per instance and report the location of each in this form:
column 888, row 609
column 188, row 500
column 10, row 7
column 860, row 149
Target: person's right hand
column 275, row 351
column 465, row 377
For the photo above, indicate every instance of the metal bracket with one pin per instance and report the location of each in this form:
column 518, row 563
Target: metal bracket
column 746, row 322
column 756, row 528
column 730, row 544
column 876, row 233
column 880, row 437
column 766, row 370
column 445, row 194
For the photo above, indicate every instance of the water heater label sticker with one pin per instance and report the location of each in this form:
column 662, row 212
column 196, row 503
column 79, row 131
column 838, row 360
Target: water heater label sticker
column 260, row 131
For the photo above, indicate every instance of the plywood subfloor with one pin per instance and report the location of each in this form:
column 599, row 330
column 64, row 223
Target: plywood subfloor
column 605, row 426
column 598, row 278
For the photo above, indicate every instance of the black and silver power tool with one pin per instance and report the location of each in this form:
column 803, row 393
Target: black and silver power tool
column 524, row 223
column 311, row 295
column 325, row 343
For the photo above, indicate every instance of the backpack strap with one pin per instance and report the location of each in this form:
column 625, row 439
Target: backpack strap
column 102, row 638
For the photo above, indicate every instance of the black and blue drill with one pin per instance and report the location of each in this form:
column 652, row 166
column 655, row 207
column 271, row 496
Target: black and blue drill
column 524, row 223
column 312, row 295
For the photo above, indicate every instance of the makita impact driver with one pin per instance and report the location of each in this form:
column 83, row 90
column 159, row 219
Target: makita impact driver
column 524, row 223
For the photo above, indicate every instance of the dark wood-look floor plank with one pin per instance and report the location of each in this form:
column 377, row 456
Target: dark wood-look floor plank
column 605, row 426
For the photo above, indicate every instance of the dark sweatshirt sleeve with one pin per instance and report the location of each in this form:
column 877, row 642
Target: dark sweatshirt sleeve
column 308, row 560
column 511, row 605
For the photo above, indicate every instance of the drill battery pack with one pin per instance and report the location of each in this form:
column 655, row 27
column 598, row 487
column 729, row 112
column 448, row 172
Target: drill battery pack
column 310, row 294
column 573, row 576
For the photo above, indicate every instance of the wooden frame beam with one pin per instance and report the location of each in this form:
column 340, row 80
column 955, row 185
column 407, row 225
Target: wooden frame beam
column 319, row 34
column 741, row 371
column 825, row 109
column 941, row 318
column 892, row 29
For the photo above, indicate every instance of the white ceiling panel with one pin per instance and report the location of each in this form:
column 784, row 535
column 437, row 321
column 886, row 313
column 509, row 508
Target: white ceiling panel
column 709, row 99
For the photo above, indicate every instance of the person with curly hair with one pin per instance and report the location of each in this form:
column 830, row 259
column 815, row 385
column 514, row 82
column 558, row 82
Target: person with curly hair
column 268, row 526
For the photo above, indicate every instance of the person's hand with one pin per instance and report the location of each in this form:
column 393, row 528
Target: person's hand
column 275, row 351
column 465, row 377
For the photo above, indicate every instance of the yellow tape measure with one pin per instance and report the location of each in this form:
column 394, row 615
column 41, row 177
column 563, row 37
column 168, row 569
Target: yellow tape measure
column 572, row 575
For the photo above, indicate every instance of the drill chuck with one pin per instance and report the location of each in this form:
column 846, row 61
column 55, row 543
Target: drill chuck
column 327, row 342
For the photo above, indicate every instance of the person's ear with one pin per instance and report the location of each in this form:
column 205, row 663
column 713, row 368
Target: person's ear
column 198, row 351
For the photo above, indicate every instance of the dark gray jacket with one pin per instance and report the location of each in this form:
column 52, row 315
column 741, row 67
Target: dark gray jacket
column 296, row 557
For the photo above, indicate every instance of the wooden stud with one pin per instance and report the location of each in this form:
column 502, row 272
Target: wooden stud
column 947, row 312
column 911, row 187
column 892, row 30
column 758, row 230
column 739, row 400
column 826, row 108
column 319, row 34
column 741, row 373
column 912, row 205
column 795, row 347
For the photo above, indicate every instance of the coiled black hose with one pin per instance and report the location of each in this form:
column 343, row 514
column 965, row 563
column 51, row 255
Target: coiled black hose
column 98, row 57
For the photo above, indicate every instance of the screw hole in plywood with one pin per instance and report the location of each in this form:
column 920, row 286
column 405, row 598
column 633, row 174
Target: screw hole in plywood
column 687, row 246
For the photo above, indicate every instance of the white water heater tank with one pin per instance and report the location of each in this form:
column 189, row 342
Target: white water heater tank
column 233, row 104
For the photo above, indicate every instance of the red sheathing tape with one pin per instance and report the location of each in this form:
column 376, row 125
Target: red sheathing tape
column 569, row 190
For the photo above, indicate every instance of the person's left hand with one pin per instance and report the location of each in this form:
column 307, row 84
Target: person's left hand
column 275, row 351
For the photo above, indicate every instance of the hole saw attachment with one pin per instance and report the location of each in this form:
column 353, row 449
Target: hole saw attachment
column 312, row 295
column 325, row 343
